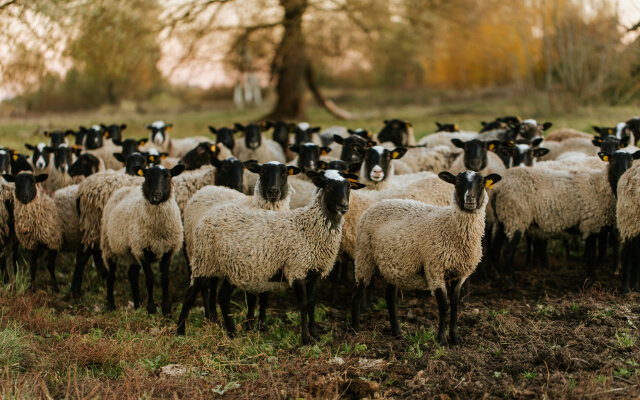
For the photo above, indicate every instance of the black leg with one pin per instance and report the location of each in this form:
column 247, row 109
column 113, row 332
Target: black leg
column 356, row 302
column 508, row 262
column 264, row 303
column 148, row 277
column 33, row 266
column 300, row 288
column 252, row 298
column 189, row 299
column 111, row 278
column 391, row 297
column 614, row 240
column 454, row 301
column 311, row 304
column 590, row 255
column 334, row 278
column 634, row 266
column 97, row 260
column 134, row 280
column 51, row 266
column 186, row 259
column 441, row 298
column 367, row 299
column 165, row 261
column 82, row 256
column 567, row 249
column 603, row 240
column 529, row 252
column 213, row 298
column 627, row 255
column 224, row 297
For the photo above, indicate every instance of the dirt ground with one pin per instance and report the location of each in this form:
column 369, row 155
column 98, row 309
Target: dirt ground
column 553, row 337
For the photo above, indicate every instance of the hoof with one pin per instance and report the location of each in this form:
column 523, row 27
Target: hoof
column 455, row 340
column 306, row 339
column 151, row 309
column 396, row 334
column 181, row 329
column 442, row 340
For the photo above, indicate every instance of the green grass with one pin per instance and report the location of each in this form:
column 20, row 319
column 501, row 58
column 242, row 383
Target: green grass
column 15, row 350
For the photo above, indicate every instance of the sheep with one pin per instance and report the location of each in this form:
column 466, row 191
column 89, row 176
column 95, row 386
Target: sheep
column 256, row 147
column 419, row 246
column 522, row 153
column 577, row 146
column 446, row 127
column 444, row 138
column 582, row 200
column 41, row 156
column 378, row 169
column 562, row 134
column 281, row 131
column 398, row 132
column 499, row 123
column 56, row 138
column 159, row 138
column 305, row 133
column 143, row 226
column 37, row 225
column 478, row 156
column 154, row 157
column 113, row 132
column 435, row 159
column 8, row 243
column 130, row 146
column 352, row 150
column 63, row 158
column 627, row 211
column 308, row 155
column 297, row 246
column 272, row 193
column 85, row 165
column 200, row 156
column 633, row 129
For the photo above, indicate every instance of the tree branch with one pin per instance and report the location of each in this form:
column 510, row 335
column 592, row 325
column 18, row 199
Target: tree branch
column 329, row 105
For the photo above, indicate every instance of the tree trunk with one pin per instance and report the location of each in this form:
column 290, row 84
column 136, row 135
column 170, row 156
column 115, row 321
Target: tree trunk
column 290, row 87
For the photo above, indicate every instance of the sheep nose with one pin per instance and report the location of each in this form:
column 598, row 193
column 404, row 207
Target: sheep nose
column 343, row 207
column 156, row 196
column 273, row 193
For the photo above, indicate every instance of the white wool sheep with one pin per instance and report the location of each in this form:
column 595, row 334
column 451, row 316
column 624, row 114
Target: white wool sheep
column 159, row 138
column 628, row 223
column 444, row 139
column 420, row 246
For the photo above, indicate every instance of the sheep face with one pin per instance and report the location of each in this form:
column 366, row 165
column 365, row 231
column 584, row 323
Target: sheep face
column 86, row 164
column 156, row 187
column 395, row 131
column 79, row 136
column 335, row 187
column 475, row 153
column 309, row 155
column 281, row 131
column 609, row 144
column 605, row 130
column 229, row 173
column 338, row 165
column 158, row 132
column 129, row 146
column 25, row 183
column 447, row 127
column 225, row 136
column 274, row 185
column 469, row 188
column 154, row 157
column 5, row 160
column 64, row 156
column 522, row 153
column 252, row 135
column 56, row 138
column 201, row 155
column 377, row 161
column 41, row 154
column 19, row 162
column 114, row 131
column 353, row 149
column 633, row 128
column 94, row 138
column 529, row 129
column 304, row 133
column 132, row 162
column 619, row 162
column 363, row 133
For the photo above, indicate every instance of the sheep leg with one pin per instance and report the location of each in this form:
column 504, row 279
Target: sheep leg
column 252, row 298
column 540, row 253
column 367, row 299
column 134, row 280
column 495, row 250
column 334, row 278
column 5, row 270
column 82, row 256
column 454, row 302
column 189, row 300
column 33, row 265
column 213, row 298
column 603, row 237
column 627, row 260
column 590, row 255
column 97, row 260
column 390, row 295
column 311, row 304
column 358, row 298
column 300, row 289
column 186, row 260
column 51, row 266
column 529, row 252
column 441, row 298
column 264, row 303
column 224, row 297
column 165, row 262
column 614, row 242
column 634, row 267
column 111, row 278
column 509, row 253
column 148, row 276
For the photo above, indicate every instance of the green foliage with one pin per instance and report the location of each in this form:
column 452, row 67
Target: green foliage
column 14, row 348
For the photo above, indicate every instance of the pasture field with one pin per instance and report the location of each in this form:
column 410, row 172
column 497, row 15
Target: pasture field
column 553, row 337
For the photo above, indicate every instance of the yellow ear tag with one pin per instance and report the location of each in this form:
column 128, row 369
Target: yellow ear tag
column 488, row 183
column 163, row 156
column 47, row 133
column 168, row 128
column 369, row 134
column 610, row 131
column 518, row 118
column 213, row 147
column 352, row 180
column 152, row 158
column 15, row 157
column 455, row 127
column 324, row 152
column 395, row 155
column 290, row 172
column 492, row 146
column 605, row 158
column 140, row 172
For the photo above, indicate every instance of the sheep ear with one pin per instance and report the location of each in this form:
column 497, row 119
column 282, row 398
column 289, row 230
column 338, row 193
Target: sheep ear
column 9, row 178
column 164, row 155
column 151, row 157
column 119, row 156
column 177, row 170
column 447, row 177
column 212, row 129
column 439, row 125
column 117, row 142
column 123, row 127
column 408, row 125
column 295, row 148
column 47, row 133
column 315, row 129
column 597, row 129
column 540, row 151
column 371, row 143
column 325, row 150
column 41, row 178
column 318, row 179
column 213, row 148
column 168, row 127
column 338, row 139
column 597, row 141
column 398, row 152
column 139, row 171
column 624, row 142
column 546, row 126
column 493, row 145
column 141, row 142
column 636, row 155
column 456, row 127
column 351, row 131
column 603, row 156
column 458, row 143
column 291, row 170
column 356, row 185
column 253, row 166
column 29, row 146
column 491, row 180
column 238, row 127
column 536, row 142
column 322, row 165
